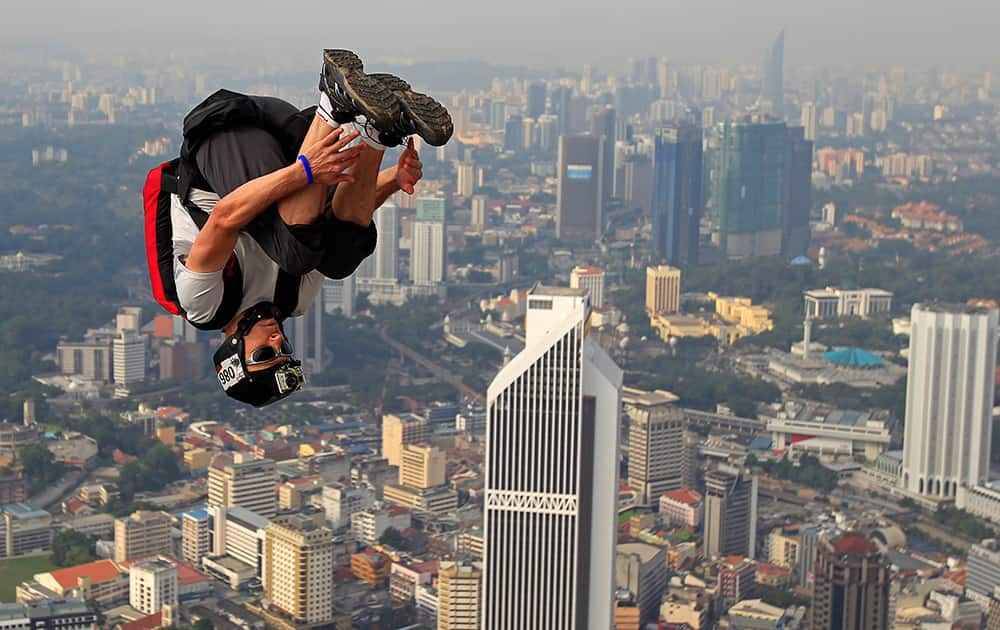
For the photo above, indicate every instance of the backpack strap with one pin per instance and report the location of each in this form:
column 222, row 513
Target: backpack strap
column 286, row 292
column 232, row 273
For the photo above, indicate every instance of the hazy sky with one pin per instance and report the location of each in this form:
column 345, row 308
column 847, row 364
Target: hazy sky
column 542, row 33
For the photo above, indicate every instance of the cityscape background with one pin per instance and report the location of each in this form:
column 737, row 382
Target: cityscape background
column 692, row 324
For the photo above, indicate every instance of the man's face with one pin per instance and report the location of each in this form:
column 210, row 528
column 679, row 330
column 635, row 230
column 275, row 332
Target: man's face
column 265, row 333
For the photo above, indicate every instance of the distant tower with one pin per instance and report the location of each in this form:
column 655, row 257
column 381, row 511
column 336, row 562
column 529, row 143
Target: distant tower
column 29, row 412
column 677, row 199
column 949, row 398
column 772, row 89
column 428, row 254
column 806, row 336
column 730, row 513
column 305, row 333
column 851, row 587
column 580, row 198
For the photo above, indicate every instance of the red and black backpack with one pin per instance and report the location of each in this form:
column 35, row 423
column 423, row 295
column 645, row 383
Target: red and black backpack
column 161, row 183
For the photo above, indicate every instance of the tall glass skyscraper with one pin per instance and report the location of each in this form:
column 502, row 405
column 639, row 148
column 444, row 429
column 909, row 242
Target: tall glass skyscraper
column 552, row 474
column 580, row 198
column 798, row 178
column 749, row 193
column 772, row 89
column 677, row 198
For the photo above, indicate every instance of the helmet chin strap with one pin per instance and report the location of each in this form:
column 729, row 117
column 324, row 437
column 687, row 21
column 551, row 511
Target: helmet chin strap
column 257, row 312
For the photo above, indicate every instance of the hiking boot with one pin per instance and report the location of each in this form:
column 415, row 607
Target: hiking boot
column 353, row 93
column 419, row 114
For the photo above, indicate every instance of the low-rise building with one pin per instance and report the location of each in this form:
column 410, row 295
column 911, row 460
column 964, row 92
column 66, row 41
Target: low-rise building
column 369, row 525
column 437, row 500
column 371, row 566
column 27, row 530
column 102, row 581
column 831, row 302
column 62, row 614
column 404, row 578
column 683, row 507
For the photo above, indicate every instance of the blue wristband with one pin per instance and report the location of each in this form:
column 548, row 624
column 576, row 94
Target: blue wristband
column 305, row 165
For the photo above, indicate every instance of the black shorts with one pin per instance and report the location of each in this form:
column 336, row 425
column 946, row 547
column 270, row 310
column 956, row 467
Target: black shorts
column 230, row 158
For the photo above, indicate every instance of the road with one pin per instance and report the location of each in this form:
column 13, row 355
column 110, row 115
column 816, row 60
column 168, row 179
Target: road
column 435, row 369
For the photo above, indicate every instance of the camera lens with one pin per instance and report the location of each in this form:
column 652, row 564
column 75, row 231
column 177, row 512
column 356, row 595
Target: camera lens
column 291, row 381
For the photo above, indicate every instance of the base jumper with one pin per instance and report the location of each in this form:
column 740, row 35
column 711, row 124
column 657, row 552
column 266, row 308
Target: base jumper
column 266, row 200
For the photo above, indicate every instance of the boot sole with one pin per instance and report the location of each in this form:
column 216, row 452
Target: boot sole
column 370, row 97
column 429, row 117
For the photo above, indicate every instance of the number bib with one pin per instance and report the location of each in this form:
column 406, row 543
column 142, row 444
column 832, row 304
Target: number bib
column 231, row 372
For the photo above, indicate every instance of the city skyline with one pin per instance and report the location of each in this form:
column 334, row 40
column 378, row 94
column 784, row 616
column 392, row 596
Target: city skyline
column 893, row 32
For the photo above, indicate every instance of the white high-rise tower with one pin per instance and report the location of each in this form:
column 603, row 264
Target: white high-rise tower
column 382, row 264
column 552, row 474
column 949, row 398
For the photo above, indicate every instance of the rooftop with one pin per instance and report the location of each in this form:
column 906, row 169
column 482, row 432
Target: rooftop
column 684, row 495
column 98, row 571
column 540, row 290
column 853, row 543
column 853, row 358
column 644, row 551
column 952, row 308
column 24, row 511
column 633, row 396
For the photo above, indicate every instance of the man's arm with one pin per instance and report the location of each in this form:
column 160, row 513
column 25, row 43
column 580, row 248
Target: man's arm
column 404, row 176
column 214, row 244
column 386, row 186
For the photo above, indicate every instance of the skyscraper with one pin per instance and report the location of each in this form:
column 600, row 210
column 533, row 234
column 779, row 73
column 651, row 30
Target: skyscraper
column 397, row 432
column 809, row 120
column 772, row 89
column 730, row 513
column 339, row 295
column 421, row 466
column 603, row 124
column 382, row 264
column 551, row 474
column 458, row 595
column 478, row 214
column 591, row 279
column 677, row 198
column 305, row 333
column 949, row 398
column 465, row 183
column 655, row 444
column 637, row 182
column 663, row 289
column 513, row 134
column 536, row 99
column 142, row 534
column 298, row 569
column 580, row 199
column 561, row 98
column 129, row 354
column 427, row 256
column 246, row 483
column 798, row 190
column 851, row 587
column 749, row 190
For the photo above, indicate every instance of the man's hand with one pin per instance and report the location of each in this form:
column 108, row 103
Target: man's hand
column 329, row 160
column 409, row 169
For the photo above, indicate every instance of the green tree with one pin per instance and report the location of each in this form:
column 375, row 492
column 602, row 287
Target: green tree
column 70, row 548
column 392, row 538
column 36, row 461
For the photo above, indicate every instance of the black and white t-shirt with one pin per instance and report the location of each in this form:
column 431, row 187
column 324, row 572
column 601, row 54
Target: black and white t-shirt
column 200, row 294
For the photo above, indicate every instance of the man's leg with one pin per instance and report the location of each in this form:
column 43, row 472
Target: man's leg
column 355, row 201
column 306, row 206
